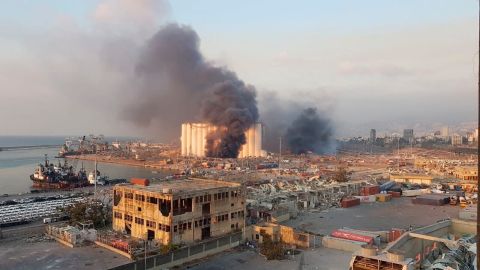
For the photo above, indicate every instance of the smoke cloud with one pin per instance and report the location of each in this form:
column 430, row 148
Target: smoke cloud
column 309, row 132
column 175, row 84
column 298, row 121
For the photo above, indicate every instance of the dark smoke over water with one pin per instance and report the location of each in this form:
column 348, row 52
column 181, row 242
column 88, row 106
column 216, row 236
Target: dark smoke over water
column 309, row 132
column 176, row 84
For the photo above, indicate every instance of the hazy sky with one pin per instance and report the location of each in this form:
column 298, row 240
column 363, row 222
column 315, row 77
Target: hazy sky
column 66, row 66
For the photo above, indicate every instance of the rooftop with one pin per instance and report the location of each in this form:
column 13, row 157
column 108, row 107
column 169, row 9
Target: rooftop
column 182, row 185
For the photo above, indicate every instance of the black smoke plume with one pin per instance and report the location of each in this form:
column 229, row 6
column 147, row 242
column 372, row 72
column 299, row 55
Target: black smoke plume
column 176, row 84
column 279, row 114
column 309, row 132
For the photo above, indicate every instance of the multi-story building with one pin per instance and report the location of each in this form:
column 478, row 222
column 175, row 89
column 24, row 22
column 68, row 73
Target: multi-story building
column 444, row 132
column 408, row 135
column 179, row 211
column 373, row 135
column 457, row 139
column 466, row 173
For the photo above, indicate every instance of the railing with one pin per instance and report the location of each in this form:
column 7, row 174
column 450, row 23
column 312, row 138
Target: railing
column 184, row 254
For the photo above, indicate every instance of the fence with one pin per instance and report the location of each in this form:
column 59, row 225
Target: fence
column 185, row 254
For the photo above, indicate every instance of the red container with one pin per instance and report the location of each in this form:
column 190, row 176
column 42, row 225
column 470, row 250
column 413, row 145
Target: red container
column 140, row 181
column 395, row 194
column 352, row 236
column 394, row 234
column 369, row 190
column 349, row 202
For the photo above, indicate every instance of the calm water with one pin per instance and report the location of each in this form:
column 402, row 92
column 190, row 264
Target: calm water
column 16, row 166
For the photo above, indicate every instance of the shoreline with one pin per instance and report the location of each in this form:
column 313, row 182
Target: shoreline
column 125, row 162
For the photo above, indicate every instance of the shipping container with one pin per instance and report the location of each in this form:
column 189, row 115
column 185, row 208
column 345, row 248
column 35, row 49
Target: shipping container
column 140, row 181
column 366, row 199
column 383, row 197
column 394, row 234
column 395, row 194
column 349, row 202
column 341, row 244
column 369, row 190
column 352, row 236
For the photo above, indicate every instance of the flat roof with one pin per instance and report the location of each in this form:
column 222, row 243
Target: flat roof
column 182, row 185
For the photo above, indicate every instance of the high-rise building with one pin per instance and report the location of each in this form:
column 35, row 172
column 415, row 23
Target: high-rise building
column 457, row 139
column 408, row 135
column 373, row 135
column 444, row 132
column 194, row 140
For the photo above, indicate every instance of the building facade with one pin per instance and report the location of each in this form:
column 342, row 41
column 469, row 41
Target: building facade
column 179, row 211
column 457, row 139
column 408, row 135
column 373, row 135
column 194, row 140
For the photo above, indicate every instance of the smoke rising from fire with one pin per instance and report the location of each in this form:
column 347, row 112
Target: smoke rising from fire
column 309, row 132
column 176, row 84
column 298, row 121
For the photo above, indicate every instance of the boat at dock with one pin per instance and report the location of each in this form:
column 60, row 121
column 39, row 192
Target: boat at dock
column 61, row 176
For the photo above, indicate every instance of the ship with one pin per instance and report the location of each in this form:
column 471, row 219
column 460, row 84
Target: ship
column 82, row 146
column 61, row 176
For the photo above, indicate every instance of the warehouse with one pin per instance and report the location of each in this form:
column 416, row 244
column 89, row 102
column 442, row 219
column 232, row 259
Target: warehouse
column 178, row 211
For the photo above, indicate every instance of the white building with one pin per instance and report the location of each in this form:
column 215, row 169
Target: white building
column 457, row 139
column 444, row 132
column 194, row 140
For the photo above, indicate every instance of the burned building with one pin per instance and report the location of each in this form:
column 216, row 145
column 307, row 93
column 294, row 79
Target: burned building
column 179, row 211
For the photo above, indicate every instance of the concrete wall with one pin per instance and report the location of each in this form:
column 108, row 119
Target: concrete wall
column 341, row 244
column 461, row 227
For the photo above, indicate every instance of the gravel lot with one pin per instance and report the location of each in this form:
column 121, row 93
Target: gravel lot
column 398, row 213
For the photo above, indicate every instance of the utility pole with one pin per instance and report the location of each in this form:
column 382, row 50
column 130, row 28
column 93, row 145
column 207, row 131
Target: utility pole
column 478, row 124
column 146, row 239
column 280, row 155
column 95, row 174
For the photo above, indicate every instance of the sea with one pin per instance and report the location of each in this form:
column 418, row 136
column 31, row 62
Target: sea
column 21, row 154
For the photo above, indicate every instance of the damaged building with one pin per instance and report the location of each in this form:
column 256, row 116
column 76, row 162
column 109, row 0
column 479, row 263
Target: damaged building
column 179, row 211
column 448, row 244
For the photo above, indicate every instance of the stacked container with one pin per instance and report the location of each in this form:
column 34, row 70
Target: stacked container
column 369, row 190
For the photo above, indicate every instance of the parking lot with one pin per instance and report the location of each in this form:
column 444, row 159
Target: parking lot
column 26, row 212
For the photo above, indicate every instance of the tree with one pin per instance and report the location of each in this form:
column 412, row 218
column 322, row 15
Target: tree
column 272, row 250
column 93, row 210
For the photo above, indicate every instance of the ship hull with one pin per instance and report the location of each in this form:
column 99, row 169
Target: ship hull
column 73, row 183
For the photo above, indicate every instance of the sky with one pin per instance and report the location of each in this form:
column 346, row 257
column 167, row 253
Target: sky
column 65, row 66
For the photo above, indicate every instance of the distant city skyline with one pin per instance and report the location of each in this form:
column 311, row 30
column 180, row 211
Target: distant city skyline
column 65, row 65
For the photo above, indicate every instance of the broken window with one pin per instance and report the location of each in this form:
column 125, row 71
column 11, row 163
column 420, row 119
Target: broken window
column 152, row 200
column 182, row 206
column 165, row 207
column 117, row 197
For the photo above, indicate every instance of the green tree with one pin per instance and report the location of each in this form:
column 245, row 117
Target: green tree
column 94, row 211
